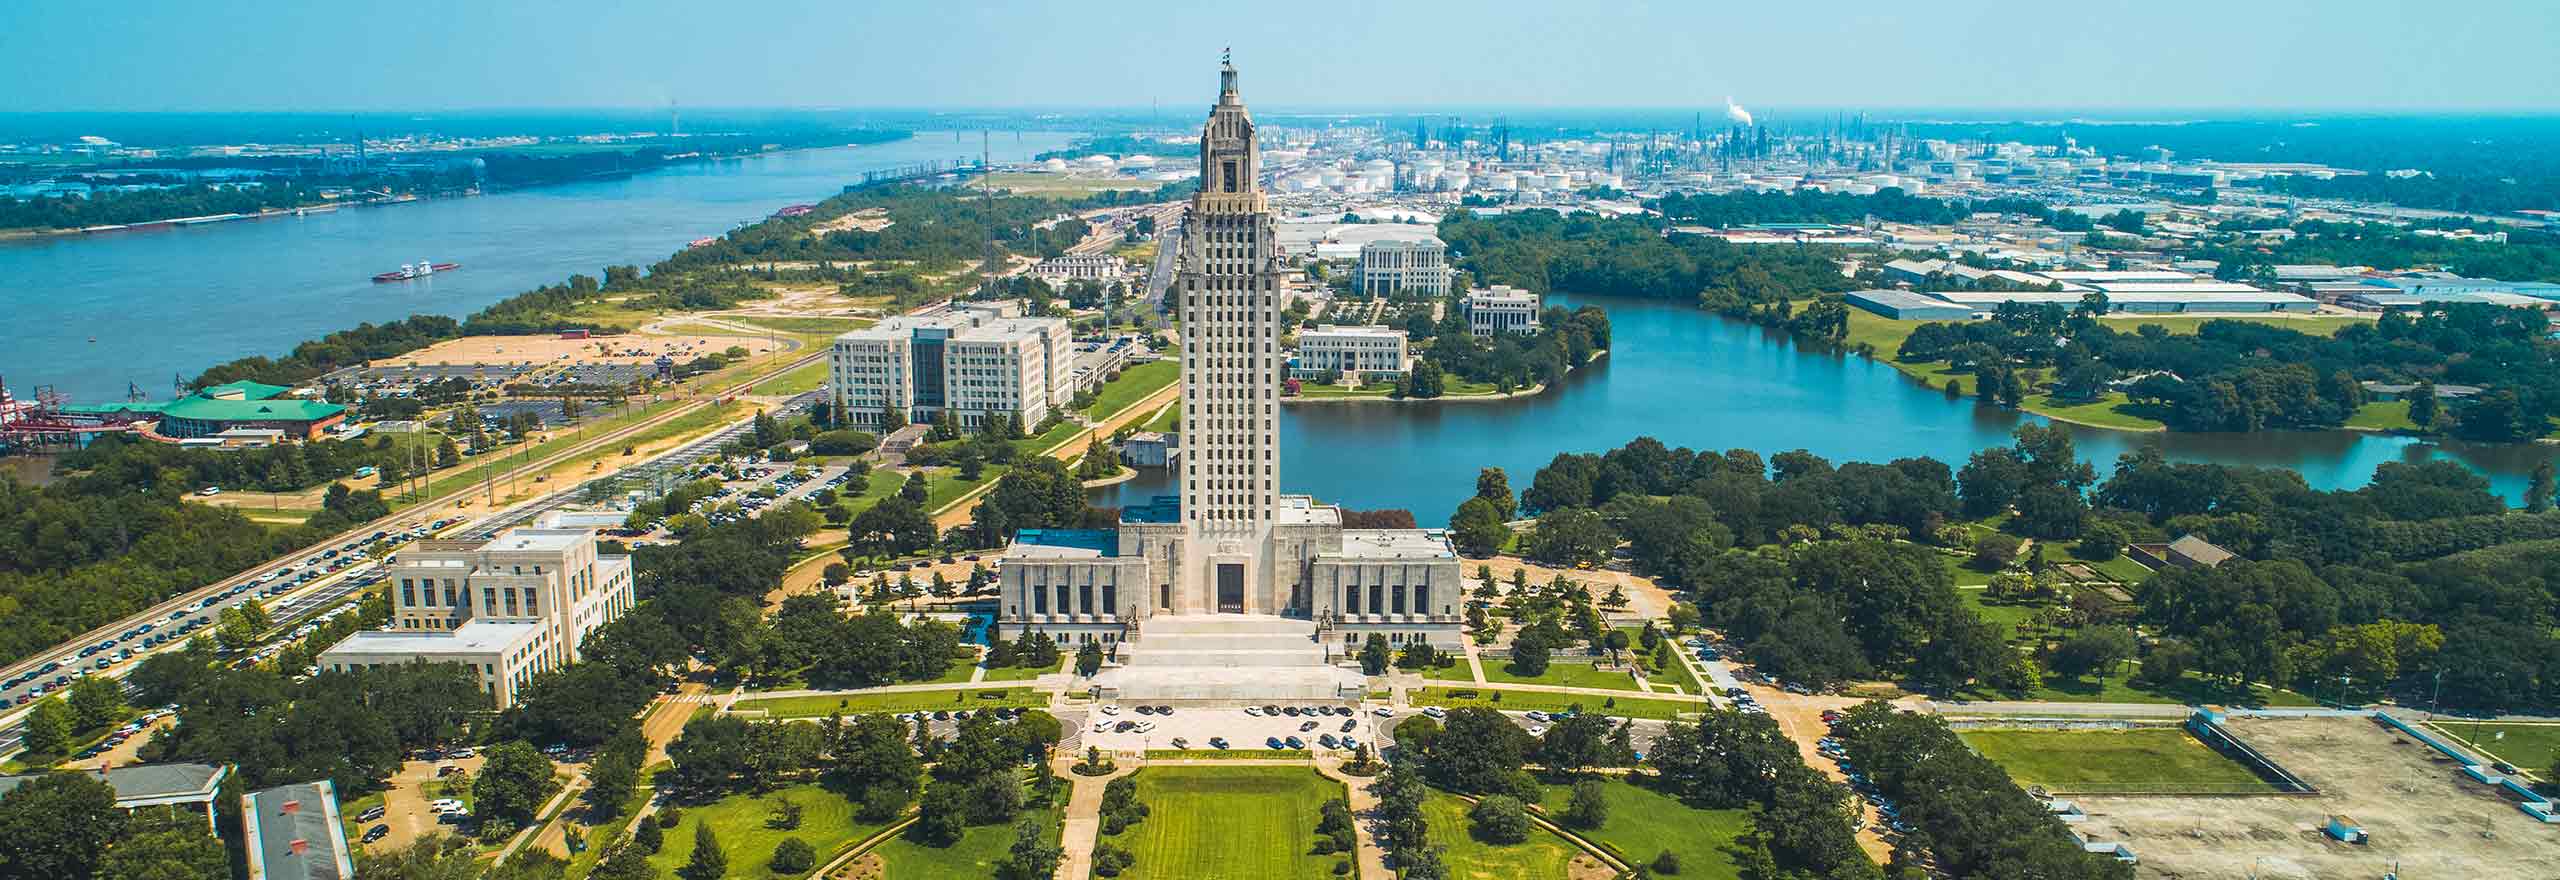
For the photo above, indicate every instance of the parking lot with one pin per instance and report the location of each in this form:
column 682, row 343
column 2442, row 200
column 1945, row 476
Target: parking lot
column 1239, row 728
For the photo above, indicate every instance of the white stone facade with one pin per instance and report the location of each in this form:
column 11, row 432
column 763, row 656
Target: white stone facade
column 510, row 608
column 1363, row 351
column 1501, row 309
column 977, row 364
column 1081, row 267
column 1403, row 268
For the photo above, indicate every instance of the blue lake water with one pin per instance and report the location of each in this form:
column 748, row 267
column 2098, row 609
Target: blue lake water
column 1690, row 378
column 164, row 303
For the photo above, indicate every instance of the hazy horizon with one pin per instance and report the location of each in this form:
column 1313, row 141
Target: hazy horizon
column 2092, row 57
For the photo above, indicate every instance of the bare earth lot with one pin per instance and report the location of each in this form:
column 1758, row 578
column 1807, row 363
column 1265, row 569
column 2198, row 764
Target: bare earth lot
column 2422, row 815
column 624, row 349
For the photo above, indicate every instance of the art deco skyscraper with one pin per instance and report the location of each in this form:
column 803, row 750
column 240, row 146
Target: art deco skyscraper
column 1229, row 290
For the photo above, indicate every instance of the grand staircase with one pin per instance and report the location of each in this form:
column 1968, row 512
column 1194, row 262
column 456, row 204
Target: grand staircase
column 1227, row 657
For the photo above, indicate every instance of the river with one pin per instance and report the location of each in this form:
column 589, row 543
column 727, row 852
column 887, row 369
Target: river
column 1690, row 378
column 89, row 314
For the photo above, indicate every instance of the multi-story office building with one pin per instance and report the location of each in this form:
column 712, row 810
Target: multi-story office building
column 1081, row 267
column 1501, row 308
column 976, row 363
column 509, row 608
column 1239, row 590
column 1366, row 352
column 1418, row 268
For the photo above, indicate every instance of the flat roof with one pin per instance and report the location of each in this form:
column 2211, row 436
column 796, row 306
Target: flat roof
column 1901, row 299
column 1395, row 544
column 1064, row 543
column 552, row 540
column 1351, row 330
column 144, row 784
column 2067, row 297
column 1160, row 509
column 294, row 834
column 473, row 637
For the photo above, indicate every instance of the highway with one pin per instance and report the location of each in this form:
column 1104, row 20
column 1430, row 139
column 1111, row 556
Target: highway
column 301, row 593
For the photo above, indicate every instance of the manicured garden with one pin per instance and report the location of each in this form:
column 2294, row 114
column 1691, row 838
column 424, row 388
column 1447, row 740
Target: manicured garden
column 1544, row 701
column 2163, row 758
column 1543, row 856
column 1643, row 823
column 741, row 824
column 1227, row 823
column 980, row 847
column 822, row 705
column 1581, row 675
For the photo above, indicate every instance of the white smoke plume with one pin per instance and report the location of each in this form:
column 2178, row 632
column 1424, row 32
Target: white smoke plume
column 1735, row 112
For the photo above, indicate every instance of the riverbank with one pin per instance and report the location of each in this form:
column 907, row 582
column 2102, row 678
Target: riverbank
column 1357, row 396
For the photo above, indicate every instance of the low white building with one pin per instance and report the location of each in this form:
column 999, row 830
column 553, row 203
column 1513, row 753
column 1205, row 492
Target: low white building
column 1414, row 268
column 1364, row 351
column 508, row 609
column 1081, row 267
column 1501, row 308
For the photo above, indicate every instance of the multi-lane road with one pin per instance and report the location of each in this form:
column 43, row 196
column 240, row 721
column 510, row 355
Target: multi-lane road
column 298, row 593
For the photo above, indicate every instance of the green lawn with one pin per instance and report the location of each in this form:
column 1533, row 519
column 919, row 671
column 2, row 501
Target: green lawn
column 738, row 822
column 1522, row 701
column 946, row 485
column 1228, row 823
column 2190, row 691
column 2122, row 568
column 1134, row 384
column 2531, row 747
column 1168, row 419
column 2082, row 760
column 2009, row 618
column 800, row 324
column 1373, row 389
column 1680, row 674
column 2112, row 410
column 895, row 701
column 1643, row 822
column 1543, row 856
column 980, row 847
column 1454, row 672
column 1039, row 445
column 1016, row 673
column 1583, row 675
column 804, row 378
column 2383, row 415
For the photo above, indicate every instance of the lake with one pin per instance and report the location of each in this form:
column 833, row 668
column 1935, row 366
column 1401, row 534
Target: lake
column 170, row 303
column 1691, row 378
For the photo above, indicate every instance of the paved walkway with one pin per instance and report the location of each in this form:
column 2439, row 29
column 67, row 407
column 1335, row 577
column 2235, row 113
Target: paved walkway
column 1364, row 810
column 1082, row 824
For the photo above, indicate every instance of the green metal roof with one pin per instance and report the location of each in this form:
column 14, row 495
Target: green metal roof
column 245, row 390
column 209, row 410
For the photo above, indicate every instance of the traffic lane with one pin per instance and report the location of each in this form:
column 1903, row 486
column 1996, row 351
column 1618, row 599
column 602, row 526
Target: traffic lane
column 1198, row 727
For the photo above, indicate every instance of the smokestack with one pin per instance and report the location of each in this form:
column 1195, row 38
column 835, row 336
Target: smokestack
column 1735, row 112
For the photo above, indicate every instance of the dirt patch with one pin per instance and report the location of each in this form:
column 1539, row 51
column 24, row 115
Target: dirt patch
column 537, row 350
column 867, row 220
column 2422, row 815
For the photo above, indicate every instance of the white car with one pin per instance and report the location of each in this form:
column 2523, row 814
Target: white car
column 1385, row 711
column 1146, row 727
column 1433, row 711
column 1102, row 727
column 1255, row 711
column 445, row 805
column 459, row 754
column 1111, row 710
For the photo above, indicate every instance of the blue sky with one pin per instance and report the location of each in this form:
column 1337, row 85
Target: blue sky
column 451, row 54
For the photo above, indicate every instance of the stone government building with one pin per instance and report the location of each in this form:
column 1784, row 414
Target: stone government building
column 1231, row 590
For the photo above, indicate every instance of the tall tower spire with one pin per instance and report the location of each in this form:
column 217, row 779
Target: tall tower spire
column 1229, row 294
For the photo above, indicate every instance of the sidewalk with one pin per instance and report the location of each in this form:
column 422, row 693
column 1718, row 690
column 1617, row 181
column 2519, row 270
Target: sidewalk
column 1364, row 810
column 1081, row 825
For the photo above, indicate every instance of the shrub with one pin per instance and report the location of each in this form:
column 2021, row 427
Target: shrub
column 1500, row 819
column 793, row 856
column 1589, row 807
column 1667, row 862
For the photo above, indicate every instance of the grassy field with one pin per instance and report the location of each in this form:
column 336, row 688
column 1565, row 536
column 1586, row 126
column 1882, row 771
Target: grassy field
column 1680, row 674
column 1134, row 384
column 2531, row 747
column 2383, row 415
column 1016, row 673
column 738, row 822
column 1454, row 672
column 1643, row 823
column 1543, row 856
column 2122, row 568
column 946, row 486
column 2009, row 618
column 1522, row 701
column 1583, row 675
column 807, row 377
column 1062, row 186
column 2190, row 691
column 2066, row 760
column 1167, row 419
column 975, row 855
column 895, row 701
column 1885, row 335
column 1228, row 823
column 800, row 324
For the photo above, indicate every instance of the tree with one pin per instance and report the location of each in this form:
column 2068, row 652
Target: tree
column 1994, row 551
column 915, row 490
column 2539, row 491
column 2423, row 406
column 709, row 861
column 1589, row 807
column 615, row 775
column 1375, row 655
column 1494, row 486
column 181, row 851
column 1032, row 856
column 1476, row 751
column 2097, row 649
column 49, row 727
column 1615, row 642
column 512, row 783
column 1499, row 819
column 792, row 857
column 2100, row 542
column 1478, row 527
column 1089, row 659
column 1529, row 654
column 57, row 826
column 942, row 816
column 1571, row 536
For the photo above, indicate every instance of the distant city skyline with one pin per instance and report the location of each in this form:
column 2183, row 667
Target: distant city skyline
column 283, row 55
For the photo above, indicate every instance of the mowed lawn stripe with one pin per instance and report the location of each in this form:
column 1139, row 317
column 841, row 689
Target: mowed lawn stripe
column 1228, row 823
column 2164, row 757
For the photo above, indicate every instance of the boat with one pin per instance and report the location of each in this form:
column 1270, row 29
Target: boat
column 419, row 269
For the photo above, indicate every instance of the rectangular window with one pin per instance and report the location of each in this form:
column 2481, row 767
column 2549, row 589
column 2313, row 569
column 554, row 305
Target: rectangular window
column 511, row 602
column 408, row 596
column 1040, row 600
column 488, row 600
column 1084, row 599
